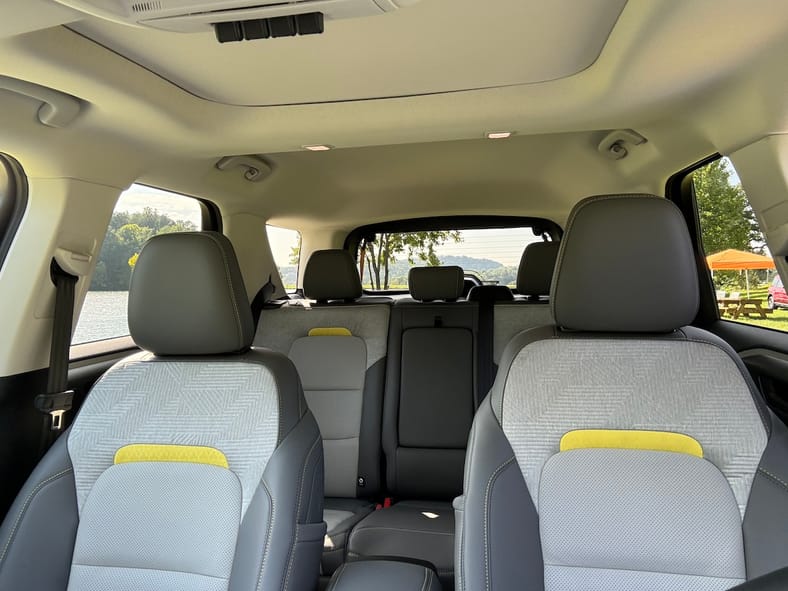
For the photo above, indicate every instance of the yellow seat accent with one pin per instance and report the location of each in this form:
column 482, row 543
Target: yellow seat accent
column 192, row 454
column 615, row 439
column 333, row 331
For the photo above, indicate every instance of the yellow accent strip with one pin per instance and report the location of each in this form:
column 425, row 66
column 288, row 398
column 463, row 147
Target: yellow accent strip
column 193, row 454
column 613, row 439
column 333, row 331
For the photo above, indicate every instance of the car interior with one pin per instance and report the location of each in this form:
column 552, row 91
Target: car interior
column 393, row 294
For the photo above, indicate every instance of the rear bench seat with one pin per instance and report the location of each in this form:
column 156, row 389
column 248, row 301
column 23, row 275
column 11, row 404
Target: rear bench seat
column 338, row 345
column 430, row 399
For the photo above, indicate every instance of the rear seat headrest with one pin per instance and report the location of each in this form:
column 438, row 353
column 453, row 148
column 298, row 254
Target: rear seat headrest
column 625, row 264
column 535, row 273
column 187, row 297
column 436, row 283
column 490, row 293
column 331, row 275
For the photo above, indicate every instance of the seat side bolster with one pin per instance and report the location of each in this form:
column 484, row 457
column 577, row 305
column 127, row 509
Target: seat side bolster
column 765, row 524
column 499, row 528
column 42, row 523
column 271, row 554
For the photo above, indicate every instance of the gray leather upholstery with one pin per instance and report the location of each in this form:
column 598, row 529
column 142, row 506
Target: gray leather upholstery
column 331, row 275
column 187, row 297
column 621, row 263
column 248, row 407
column 428, row 284
column 416, row 530
column 535, row 273
column 383, row 575
column 666, row 377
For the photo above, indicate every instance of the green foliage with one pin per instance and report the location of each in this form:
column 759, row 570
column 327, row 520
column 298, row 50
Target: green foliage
column 415, row 246
column 726, row 218
column 126, row 234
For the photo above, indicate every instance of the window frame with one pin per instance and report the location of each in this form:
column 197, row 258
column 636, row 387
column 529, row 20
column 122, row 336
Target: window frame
column 210, row 220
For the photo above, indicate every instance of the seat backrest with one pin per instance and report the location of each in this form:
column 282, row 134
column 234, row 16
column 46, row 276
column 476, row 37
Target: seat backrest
column 194, row 464
column 621, row 448
column 339, row 348
column 430, row 394
column 534, row 276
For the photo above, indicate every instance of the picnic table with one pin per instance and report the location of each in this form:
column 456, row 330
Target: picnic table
column 736, row 307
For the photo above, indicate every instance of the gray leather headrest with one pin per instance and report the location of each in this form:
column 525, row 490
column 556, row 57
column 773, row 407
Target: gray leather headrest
column 535, row 274
column 187, row 297
column 331, row 275
column 625, row 265
column 436, row 283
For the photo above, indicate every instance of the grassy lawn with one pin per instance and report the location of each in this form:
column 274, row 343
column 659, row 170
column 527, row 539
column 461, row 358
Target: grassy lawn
column 777, row 320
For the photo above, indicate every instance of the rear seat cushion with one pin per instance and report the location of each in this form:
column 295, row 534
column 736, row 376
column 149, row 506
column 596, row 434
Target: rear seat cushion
column 384, row 575
column 340, row 515
column 422, row 530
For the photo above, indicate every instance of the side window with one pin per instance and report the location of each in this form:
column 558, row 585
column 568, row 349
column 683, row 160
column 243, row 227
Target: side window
column 141, row 212
column 286, row 249
column 747, row 286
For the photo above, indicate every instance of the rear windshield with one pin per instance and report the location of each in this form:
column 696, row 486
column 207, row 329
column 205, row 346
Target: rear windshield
column 492, row 255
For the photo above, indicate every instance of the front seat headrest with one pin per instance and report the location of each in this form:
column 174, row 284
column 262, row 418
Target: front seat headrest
column 187, row 296
column 436, row 283
column 537, row 264
column 331, row 275
column 625, row 264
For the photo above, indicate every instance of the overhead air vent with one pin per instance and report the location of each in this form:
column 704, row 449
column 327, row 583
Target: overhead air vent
column 194, row 16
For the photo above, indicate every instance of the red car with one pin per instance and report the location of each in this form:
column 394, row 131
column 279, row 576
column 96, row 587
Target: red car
column 777, row 297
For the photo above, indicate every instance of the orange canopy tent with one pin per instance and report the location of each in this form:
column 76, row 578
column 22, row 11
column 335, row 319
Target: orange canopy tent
column 737, row 260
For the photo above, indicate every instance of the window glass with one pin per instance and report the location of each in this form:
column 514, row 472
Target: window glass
column 747, row 286
column 286, row 249
column 141, row 212
column 492, row 255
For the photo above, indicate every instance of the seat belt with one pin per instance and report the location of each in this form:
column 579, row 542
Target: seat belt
column 485, row 373
column 58, row 399
column 263, row 298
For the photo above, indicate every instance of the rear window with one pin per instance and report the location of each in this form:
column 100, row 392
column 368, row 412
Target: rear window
column 491, row 255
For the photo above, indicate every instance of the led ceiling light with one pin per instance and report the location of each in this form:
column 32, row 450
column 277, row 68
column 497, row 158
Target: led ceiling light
column 499, row 135
column 318, row 148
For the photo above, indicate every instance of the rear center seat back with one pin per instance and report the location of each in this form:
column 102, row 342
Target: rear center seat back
column 430, row 394
column 430, row 399
column 532, row 309
column 338, row 346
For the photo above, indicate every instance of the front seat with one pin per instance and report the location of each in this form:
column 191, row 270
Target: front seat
column 193, row 465
column 621, row 449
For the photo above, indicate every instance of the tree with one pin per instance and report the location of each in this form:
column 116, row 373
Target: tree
column 726, row 218
column 126, row 234
column 416, row 246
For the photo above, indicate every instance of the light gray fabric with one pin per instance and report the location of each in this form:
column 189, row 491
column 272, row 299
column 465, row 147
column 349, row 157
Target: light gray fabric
column 279, row 328
column 187, row 296
column 639, row 242
column 332, row 370
column 535, row 273
column 636, row 510
column 511, row 319
column 557, row 385
column 177, row 520
column 435, row 283
column 383, row 575
column 228, row 405
column 331, row 275
column 593, row 579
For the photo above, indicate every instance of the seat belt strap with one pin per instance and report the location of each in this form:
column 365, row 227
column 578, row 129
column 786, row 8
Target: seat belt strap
column 58, row 399
column 263, row 298
column 485, row 371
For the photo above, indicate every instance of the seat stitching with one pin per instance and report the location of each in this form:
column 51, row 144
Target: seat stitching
column 267, row 535
column 338, row 575
column 291, row 556
column 426, row 578
column 26, row 505
column 774, row 477
column 487, row 491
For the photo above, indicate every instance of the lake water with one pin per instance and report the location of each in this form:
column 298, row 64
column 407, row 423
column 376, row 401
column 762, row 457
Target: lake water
column 103, row 316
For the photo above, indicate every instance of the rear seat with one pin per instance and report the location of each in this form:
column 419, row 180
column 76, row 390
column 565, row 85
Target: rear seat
column 430, row 400
column 532, row 306
column 339, row 347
